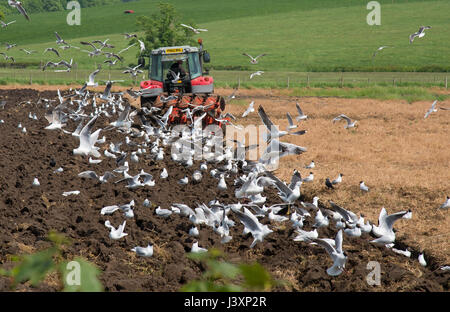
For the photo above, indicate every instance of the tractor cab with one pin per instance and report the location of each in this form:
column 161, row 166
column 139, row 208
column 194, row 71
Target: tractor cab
column 177, row 69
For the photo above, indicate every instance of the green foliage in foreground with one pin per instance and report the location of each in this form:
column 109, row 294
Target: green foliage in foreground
column 222, row 276
column 36, row 267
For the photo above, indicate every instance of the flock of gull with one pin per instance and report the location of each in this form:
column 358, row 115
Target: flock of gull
column 154, row 139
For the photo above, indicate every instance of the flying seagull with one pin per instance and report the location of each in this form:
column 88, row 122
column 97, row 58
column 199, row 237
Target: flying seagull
column 10, row 46
column 195, row 30
column 88, row 140
column 300, row 116
column 4, row 25
column 258, row 73
column 254, row 60
column 91, row 82
column 59, row 40
column 336, row 253
column 432, row 109
column 384, row 231
column 128, row 36
column 350, row 123
column 378, row 50
column 52, row 50
column 133, row 71
column 420, row 33
column 19, row 7
column 249, row 110
column 28, row 52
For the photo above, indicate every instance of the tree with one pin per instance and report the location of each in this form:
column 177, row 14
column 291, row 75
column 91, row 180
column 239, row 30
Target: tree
column 163, row 29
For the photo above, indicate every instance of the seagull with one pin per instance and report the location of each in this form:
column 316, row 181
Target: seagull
column 19, row 7
column 196, row 249
column 254, row 60
column 422, row 260
column 338, row 179
column 116, row 234
column 349, row 124
column 222, row 186
column 379, row 49
column 287, row 194
column 165, row 213
column 57, row 119
column 314, row 205
column 432, row 109
column 127, row 48
column 320, row 220
column 384, row 230
column 134, row 71
column 128, row 36
column 10, row 45
column 28, row 52
column 164, row 174
column 252, row 225
column 291, row 122
column 142, row 46
column 336, row 253
column 420, row 33
column 446, row 204
column 59, row 40
column 195, row 30
column 406, row 252
column 91, row 82
column 194, row 231
column 104, row 44
column 300, row 116
column 304, row 236
column 249, row 110
column 88, row 140
column 92, row 175
column 363, row 187
column 52, row 50
column 4, row 25
column 311, row 165
column 350, row 218
column 143, row 251
column 36, row 182
column 258, row 73
column 309, row 178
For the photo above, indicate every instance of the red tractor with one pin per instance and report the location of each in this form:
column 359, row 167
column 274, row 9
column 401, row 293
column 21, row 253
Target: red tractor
column 177, row 79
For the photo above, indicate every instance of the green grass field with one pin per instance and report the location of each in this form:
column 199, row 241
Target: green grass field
column 298, row 36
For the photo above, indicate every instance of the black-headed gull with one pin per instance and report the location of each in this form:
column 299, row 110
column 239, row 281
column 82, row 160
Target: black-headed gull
column 432, row 109
column 350, row 123
column 254, row 60
column 116, row 233
column 252, row 225
column 384, row 231
column 249, row 110
column 336, row 254
column 195, row 30
column 196, row 249
column 88, row 140
column 257, row 73
column 143, row 251
column 300, row 116
column 19, row 7
column 446, row 204
column 363, row 187
column 420, row 33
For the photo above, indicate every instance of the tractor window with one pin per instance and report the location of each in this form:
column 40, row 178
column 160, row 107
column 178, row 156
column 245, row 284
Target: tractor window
column 194, row 65
column 156, row 68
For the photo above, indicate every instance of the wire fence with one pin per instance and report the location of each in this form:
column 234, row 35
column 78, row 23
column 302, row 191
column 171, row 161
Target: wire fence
column 237, row 78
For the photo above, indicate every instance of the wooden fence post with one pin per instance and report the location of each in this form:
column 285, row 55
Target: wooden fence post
column 307, row 80
column 288, row 83
column 342, row 81
column 446, row 82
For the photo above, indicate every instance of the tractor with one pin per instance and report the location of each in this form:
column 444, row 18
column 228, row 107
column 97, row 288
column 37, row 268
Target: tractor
column 190, row 93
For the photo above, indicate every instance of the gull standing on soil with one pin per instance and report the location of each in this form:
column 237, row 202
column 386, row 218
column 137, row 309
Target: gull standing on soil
column 422, row 260
column 304, row 236
column 165, row 213
column 36, row 182
column 446, row 204
column 420, row 33
column 336, row 254
column 19, row 7
column 194, row 232
column 433, row 109
column 314, row 205
column 143, row 251
column 350, row 123
column 338, row 179
column 309, row 178
column 116, row 234
column 311, row 165
column 254, row 60
column 92, row 175
column 363, row 187
column 88, row 140
column 197, row 249
column 384, row 231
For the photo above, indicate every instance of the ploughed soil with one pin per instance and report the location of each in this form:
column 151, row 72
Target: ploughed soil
column 28, row 214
